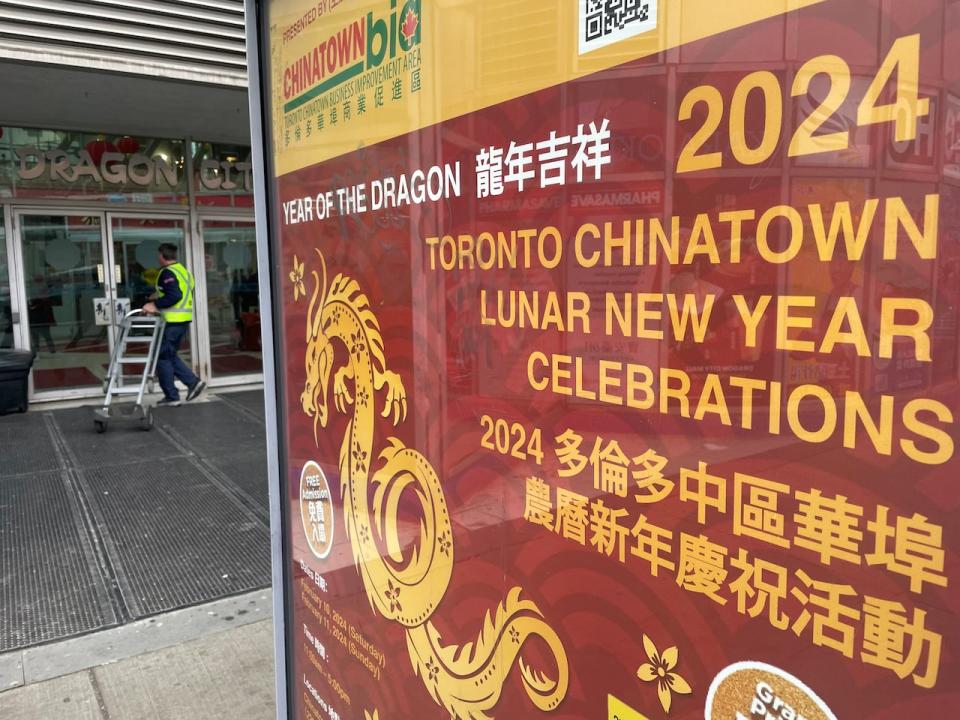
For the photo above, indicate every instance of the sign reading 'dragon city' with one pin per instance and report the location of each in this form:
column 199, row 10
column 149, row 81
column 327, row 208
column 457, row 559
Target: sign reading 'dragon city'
column 576, row 431
column 116, row 168
column 113, row 167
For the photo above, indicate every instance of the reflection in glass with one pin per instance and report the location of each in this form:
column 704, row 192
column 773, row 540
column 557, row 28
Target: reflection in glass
column 222, row 174
column 136, row 243
column 233, row 304
column 64, row 275
column 136, row 246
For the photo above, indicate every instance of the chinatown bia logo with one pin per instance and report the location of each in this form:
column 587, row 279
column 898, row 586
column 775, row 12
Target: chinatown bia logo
column 364, row 44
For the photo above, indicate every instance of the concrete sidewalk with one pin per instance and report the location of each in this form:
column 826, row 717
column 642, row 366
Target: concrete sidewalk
column 204, row 662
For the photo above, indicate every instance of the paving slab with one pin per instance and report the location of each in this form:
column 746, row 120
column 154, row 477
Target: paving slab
column 67, row 698
column 133, row 639
column 11, row 670
column 227, row 675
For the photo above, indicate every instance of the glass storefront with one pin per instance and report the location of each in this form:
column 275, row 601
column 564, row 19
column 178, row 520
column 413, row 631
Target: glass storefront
column 88, row 213
column 222, row 175
column 83, row 166
column 233, row 304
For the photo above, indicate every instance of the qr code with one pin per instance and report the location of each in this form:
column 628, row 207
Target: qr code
column 604, row 22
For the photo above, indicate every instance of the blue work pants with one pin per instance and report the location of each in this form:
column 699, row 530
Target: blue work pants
column 169, row 364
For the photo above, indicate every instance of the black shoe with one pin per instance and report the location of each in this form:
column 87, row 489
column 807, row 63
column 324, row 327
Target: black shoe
column 198, row 387
column 169, row 402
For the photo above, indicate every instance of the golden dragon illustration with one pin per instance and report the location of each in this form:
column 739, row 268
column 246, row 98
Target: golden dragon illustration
column 408, row 587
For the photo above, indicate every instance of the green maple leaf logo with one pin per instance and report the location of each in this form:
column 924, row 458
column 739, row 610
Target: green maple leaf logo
column 410, row 24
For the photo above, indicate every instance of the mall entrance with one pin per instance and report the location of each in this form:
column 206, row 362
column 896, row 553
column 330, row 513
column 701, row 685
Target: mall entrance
column 76, row 271
column 80, row 271
column 82, row 216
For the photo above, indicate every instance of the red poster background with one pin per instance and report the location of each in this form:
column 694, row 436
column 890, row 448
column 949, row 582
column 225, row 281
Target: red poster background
column 456, row 370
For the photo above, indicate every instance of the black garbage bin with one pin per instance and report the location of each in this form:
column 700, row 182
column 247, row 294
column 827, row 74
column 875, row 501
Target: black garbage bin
column 14, row 370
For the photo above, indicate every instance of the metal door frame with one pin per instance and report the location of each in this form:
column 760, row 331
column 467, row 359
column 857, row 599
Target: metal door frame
column 13, row 274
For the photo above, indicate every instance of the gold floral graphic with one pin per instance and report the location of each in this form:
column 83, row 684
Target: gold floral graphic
column 660, row 669
column 433, row 670
column 368, row 716
column 446, row 543
column 466, row 679
column 296, row 277
column 393, row 595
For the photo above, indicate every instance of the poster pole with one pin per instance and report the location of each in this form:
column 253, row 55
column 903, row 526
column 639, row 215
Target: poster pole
column 270, row 385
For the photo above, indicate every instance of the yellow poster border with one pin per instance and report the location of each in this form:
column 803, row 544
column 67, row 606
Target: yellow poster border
column 470, row 56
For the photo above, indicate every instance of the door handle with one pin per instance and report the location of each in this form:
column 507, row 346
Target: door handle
column 100, row 273
column 117, row 273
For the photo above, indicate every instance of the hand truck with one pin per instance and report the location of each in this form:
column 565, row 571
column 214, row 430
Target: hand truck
column 136, row 330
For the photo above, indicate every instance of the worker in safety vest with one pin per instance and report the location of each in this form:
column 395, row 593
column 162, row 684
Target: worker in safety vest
column 174, row 300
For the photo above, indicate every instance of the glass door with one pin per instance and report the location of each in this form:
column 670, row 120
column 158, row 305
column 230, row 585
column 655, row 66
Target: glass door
column 232, row 299
column 67, row 294
column 134, row 242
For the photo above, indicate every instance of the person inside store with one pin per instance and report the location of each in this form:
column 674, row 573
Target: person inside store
column 174, row 299
column 40, row 312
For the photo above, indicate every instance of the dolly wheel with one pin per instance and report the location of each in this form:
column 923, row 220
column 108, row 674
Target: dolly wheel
column 100, row 425
column 146, row 422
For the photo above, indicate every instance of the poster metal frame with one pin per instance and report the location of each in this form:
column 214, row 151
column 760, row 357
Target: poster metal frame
column 255, row 21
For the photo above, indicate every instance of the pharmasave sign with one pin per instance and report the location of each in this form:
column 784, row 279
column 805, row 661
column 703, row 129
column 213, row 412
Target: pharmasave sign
column 573, row 431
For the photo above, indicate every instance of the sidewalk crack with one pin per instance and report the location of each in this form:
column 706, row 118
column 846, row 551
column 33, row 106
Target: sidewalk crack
column 98, row 694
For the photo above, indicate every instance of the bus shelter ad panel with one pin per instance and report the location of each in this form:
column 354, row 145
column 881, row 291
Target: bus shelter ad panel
column 619, row 354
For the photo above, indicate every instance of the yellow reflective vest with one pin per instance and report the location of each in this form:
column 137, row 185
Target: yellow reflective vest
column 182, row 311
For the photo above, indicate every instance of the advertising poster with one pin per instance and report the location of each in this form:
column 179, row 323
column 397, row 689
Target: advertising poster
column 617, row 357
